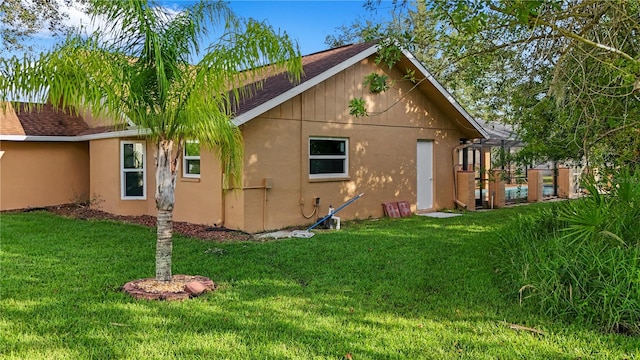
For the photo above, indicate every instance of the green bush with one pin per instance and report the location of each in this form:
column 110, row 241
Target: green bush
column 580, row 260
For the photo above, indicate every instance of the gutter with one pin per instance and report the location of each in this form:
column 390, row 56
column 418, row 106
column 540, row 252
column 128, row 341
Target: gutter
column 79, row 138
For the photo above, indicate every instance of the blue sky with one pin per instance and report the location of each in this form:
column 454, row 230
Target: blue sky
column 307, row 21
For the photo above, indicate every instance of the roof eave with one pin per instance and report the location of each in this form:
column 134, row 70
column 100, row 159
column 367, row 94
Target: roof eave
column 302, row 87
column 79, row 138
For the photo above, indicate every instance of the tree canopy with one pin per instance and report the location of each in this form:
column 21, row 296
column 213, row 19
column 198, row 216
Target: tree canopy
column 21, row 19
column 565, row 73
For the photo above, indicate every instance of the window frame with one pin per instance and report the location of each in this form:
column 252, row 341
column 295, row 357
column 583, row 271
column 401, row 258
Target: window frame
column 186, row 158
column 345, row 158
column 124, row 171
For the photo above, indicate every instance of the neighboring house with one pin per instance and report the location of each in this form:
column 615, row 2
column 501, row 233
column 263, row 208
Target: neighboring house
column 300, row 144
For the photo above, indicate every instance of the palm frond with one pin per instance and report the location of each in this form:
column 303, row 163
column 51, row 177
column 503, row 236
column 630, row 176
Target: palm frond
column 247, row 53
column 137, row 68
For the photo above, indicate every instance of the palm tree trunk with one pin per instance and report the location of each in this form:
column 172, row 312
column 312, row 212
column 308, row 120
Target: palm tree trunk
column 164, row 245
column 166, row 170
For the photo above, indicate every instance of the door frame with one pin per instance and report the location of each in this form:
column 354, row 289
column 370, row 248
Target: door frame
column 424, row 174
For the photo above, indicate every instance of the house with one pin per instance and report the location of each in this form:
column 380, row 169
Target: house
column 303, row 151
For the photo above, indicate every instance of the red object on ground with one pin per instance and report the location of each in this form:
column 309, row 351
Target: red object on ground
column 405, row 208
column 195, row 288
column 391, row 209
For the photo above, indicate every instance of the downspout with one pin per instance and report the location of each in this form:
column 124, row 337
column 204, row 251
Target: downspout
column 303, row 149
column 300, row 176
column 223, row 200
column 483, row 173
column 455, row 182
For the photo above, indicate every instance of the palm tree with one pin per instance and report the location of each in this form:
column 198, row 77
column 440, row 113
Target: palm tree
column 138, row 71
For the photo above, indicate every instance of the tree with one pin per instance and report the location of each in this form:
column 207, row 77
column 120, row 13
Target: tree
column 138, row 70
column 22, row 19
column 437, row 45
column 577, row 61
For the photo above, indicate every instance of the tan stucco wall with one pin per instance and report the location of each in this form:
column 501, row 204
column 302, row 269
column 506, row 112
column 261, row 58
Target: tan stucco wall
column 200, row 201
column 234, row 209
column 34, row 174
column 197, row 200
column 105, row 179
column 535, row 184
column 382, row 159
column 382, row 151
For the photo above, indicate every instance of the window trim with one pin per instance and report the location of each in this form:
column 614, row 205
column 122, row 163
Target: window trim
column 185, row 158
column 344, row 157
column 123, row 171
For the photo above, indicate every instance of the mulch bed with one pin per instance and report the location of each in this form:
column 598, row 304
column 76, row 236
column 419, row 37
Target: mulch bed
column 204, row 232
column 181, row 287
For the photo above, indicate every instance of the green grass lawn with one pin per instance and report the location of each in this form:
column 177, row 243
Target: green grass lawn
column 415, row 288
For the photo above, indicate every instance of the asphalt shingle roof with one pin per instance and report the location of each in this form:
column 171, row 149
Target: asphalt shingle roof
column 313, row 65
column 45, row 121
column 48, row 122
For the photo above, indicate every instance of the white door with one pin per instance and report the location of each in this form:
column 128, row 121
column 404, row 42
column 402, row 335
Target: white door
column 424, row 165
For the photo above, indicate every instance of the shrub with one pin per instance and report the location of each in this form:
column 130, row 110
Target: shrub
column 581, row 259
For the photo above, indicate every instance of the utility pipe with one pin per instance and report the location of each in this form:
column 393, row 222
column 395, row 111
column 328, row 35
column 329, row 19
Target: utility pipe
column 336, row 211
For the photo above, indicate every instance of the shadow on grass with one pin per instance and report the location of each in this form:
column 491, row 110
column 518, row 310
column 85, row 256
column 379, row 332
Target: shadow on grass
column 413, row 289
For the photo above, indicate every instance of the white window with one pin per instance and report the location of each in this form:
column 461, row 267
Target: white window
column 133, row 170
column 191, row 159
column 328, row 158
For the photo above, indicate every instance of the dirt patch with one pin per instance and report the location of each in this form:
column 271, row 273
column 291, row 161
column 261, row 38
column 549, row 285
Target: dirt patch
column 204, row 232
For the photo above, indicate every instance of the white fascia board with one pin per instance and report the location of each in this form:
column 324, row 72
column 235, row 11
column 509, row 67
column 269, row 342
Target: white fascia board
column 107, row 135
column 116, row 134
column 13, row 137
column 446, row 94
column 289, row 94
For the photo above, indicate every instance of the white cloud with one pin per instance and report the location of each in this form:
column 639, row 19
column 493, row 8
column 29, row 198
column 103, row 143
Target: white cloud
column 78, row 19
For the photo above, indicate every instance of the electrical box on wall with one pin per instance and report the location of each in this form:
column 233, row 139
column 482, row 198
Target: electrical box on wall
column 268, row 183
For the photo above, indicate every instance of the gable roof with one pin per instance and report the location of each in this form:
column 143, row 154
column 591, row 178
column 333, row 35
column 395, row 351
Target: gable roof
column 317, row 67
column 320, row 66
column 51, row 125
column 443, row 98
